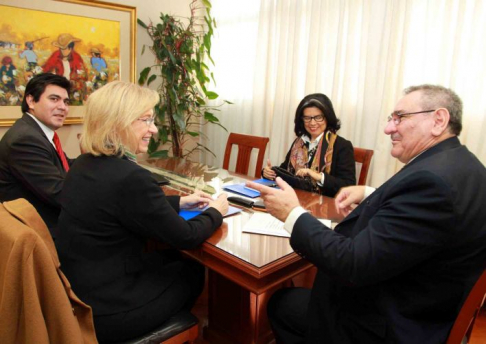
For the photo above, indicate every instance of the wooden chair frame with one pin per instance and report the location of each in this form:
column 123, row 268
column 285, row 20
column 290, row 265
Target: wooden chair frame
column 363, row 156
column 245, row 143
column 470, row 309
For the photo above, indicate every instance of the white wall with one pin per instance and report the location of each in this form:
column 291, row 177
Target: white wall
column 147, row 10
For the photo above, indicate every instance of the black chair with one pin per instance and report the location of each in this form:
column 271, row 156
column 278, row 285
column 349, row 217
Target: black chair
column 180, row 328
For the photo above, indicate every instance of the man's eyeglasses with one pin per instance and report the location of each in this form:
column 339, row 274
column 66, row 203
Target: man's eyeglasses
column 308, row 119
column 396, row 117
column 149, row 121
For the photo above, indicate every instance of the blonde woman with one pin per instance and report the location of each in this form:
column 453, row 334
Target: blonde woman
column 111, row 206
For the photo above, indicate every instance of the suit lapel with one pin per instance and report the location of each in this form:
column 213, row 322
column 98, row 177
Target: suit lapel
column 34, row 126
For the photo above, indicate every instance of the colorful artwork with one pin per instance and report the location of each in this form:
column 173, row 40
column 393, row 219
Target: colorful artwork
column 85, row 50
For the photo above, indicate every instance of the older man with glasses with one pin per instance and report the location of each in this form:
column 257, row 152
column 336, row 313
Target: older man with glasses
column 398, row 268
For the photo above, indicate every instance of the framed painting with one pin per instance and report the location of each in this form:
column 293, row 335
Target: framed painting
column 89, row 42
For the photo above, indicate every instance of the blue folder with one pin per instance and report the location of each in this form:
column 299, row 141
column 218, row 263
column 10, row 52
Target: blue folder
column 189, row 214
column 241, row 189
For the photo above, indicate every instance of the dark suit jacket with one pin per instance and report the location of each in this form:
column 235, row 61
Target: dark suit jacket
column 30, row 168
column 343, row 167
column 399, row 267
column 110, row 207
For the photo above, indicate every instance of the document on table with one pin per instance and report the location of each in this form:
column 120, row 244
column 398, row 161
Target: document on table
column 264, row 223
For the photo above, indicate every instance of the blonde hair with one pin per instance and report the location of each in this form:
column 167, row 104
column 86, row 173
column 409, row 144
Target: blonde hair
column 110, row 112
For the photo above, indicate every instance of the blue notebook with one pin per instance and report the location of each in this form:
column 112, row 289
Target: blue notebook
column 241, row 189
column 189, row 214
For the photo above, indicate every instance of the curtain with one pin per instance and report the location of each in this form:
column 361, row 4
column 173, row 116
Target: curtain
column 269, row 54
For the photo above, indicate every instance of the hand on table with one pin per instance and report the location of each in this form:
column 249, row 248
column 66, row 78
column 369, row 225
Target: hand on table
column 197, row 199
column 278, row 202
column 268, row 173
column 348, row 197
column 220, row 204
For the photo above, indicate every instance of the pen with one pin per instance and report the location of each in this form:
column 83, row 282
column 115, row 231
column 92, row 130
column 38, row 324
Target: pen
column 248, row 188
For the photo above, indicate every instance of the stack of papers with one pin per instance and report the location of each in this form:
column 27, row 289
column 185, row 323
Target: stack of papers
column 264, row 223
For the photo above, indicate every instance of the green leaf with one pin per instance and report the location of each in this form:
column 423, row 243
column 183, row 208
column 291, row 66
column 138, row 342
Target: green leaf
column 211, row 59
column 193, row 134
column 141, row 23
column 152, row 78
column 143, row 49
column 143, row 75
column 200, row 101
column 160, row 154
column 206, row 3
column 208, row 116
column 228, row 102
column 179, row 119
column 163, row 134
column 153, row 145
column 211, row 95
column 173, row 59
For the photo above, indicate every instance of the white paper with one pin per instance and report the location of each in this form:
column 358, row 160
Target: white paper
column 264, row 223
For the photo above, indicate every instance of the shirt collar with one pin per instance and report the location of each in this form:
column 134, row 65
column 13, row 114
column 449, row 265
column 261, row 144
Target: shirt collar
column 47, row 131
column 307, row 139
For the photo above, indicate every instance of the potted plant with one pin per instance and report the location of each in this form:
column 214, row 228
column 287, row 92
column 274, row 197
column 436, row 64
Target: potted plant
column 181, row 50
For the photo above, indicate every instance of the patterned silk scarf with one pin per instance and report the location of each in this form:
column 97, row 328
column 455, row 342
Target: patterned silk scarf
column 299, row 155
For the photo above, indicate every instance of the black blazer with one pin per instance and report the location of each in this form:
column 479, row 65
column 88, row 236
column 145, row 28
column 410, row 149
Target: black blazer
column 343, row 167
column 399, row 267
column 30, row 168
column 110, row 207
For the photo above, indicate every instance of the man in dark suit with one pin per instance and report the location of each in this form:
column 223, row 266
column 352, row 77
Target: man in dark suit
column 398, row 268
column 30, row 165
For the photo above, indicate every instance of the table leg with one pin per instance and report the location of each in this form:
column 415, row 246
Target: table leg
column 236, row 315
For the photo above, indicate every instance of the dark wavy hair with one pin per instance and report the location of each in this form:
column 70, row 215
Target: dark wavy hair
column 323, row 103
column 37, row 85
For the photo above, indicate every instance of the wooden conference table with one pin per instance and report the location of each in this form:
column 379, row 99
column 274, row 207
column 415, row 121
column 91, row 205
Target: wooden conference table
column 243, row 269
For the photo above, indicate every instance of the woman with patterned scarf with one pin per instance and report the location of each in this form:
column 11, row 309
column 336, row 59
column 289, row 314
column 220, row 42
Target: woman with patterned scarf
column 319, row 160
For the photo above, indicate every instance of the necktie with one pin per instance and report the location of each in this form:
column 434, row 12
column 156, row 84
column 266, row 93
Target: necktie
column 57, row 143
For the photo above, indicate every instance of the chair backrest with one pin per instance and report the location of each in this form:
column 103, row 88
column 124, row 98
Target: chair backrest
column 470, row 309
column 245, row 143
column 37, row 303
column 363, row 156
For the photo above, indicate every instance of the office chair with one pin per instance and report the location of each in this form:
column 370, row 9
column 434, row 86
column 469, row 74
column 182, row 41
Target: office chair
column 464, row 323
column 363, row 157
column 245, row 143
column 180, row 328
column 37, row 304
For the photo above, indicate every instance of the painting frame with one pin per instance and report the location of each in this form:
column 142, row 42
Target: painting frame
column 125, row 14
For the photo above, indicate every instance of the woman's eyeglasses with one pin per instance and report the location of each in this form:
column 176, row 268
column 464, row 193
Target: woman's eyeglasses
column 308, row 119
column 149, row 121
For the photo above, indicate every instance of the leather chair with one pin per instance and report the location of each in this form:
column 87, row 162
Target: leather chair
column 37, row 304
column 180, row 328
column 462, row 328
column 363, row 157
column 245, row 143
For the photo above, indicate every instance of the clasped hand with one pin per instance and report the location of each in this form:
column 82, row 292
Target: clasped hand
column 200, row 199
